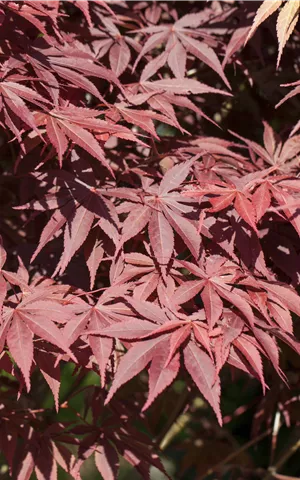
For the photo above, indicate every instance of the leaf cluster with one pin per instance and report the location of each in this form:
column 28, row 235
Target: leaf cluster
column 128, row 250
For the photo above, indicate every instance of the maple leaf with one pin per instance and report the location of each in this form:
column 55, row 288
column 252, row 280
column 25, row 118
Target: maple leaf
column 12, row 104
column 179, row 39
column 42, row 452
column 155, row 351
column 66, row 63
column 251, row 194
column 160, row 375
column 265, row 10
column 286, row 20
column 147, row 277
column 163, row 95
column 84, row 6
column 202, row 370
column 231, row 344
column 94, row 318
column 106, row 445
column 289, row 95
column 213, row 149
column 191, row 242
column 30, row 11
column 34, row 313
column 111, row 41
column 279, row 188
column 275, row 153
column 234, row 192
column 175, row 333
column 94, row 250
column 214, row 284
column 178, row 86
column 250, row 352
column 236, row 41
column 27, row 319
column 76, row 124
column 141, row 118
column 161, row 209
column 50, row 371
column 76, row 206
column 134, row 362
column 10, row 430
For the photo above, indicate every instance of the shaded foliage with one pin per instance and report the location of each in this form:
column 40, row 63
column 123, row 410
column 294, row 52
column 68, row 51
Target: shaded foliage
column 137, row 235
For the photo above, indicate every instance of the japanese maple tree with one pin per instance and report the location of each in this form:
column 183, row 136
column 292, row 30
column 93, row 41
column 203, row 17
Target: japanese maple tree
column 149, row 224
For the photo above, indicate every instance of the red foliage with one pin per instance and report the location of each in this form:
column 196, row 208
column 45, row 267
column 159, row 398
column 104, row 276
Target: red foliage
column 190, row 243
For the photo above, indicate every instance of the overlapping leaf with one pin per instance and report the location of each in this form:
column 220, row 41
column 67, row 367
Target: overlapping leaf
column 179, row 40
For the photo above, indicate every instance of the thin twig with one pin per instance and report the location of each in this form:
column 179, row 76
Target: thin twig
column 234, row 454
column 282, row 460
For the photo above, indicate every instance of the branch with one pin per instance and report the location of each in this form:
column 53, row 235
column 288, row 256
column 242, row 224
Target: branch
column 234, row 454
column 282, row 460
